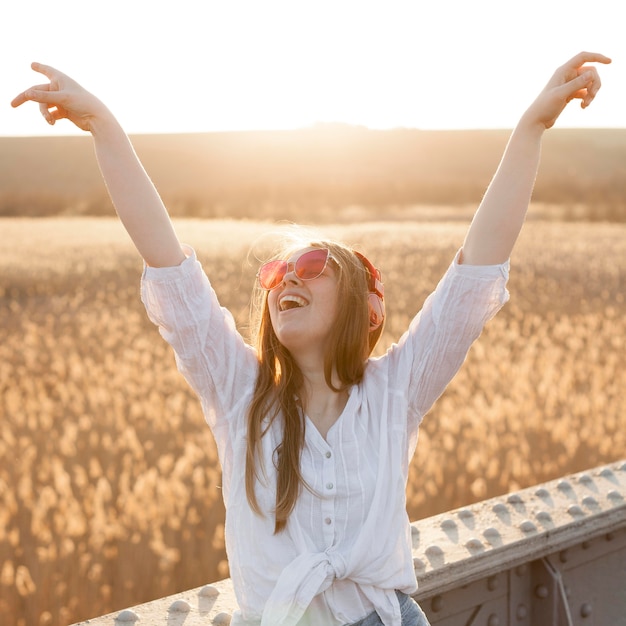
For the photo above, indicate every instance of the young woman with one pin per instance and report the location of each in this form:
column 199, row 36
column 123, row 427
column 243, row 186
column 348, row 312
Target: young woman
column 314, row 436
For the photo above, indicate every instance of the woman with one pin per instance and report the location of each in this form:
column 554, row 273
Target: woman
column 314, row 436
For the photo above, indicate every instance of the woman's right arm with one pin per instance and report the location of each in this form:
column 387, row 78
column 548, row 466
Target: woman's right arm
column 135, row 198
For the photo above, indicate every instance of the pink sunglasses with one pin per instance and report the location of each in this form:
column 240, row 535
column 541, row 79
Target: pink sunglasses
column 307, row 266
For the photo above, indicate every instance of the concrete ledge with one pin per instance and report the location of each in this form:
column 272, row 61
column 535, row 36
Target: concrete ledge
column 488, row 558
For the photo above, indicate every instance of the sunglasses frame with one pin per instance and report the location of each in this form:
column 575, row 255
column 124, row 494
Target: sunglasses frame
column 280, row 263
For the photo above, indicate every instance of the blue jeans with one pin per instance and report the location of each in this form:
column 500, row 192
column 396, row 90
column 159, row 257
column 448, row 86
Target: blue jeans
column 410, row 611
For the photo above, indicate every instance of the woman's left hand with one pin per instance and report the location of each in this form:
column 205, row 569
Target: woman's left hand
column 573, row 80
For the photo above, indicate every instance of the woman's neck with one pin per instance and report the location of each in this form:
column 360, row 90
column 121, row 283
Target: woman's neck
column 321, row 404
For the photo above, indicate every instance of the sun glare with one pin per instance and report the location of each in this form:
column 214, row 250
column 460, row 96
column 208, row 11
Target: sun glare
column 240, row 65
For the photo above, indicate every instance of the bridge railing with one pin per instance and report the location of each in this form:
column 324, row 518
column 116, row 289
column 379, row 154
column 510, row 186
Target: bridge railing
column 549, row 555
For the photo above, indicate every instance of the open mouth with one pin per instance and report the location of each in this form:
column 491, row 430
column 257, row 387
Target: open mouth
column 289, row 302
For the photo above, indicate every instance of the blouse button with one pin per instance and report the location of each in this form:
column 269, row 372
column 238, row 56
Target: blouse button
column 329, row 485
column 328, row 455
column 327, row 521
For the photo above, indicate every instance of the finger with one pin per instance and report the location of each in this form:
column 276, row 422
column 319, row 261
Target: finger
column 58, row 114
column 593, row 86
column 47, row 70
column 593, row 76
column 584, row 87
column 19, row 99
column 583, row 80
column 586, row 57
column 35, row 92
column 50, row 115
column 590, row 95
column 24, row 96
column 47, row 114
column 576, row 88
column 41, row 93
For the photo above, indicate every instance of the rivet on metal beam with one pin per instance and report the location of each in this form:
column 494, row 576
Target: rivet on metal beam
column 585, row 610
column 607, row 473
column 418, row 565
column 615, row 495
column 527, row 526
column 590, row 502
column 499, row 508
column 564, row 485
column 492, row 583
column 541, row 591
column 435, row 555
column 521, row 570
column 515, row 498
column 222, row 619
column 542, row 492
column 544, row 517
column 436, row 604
column 585, row 479
column 179, row 606
column 491, row 534
column 448, row 524
column 465, row 514
column 209, row 591
column 433, row 551
column 493, row 620
column 127, row 616
column 474, row 545
column 622, row 467
column 521, row 612
column 575, row 511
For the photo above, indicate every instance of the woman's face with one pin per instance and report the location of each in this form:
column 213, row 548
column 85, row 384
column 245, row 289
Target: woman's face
column 303, row 311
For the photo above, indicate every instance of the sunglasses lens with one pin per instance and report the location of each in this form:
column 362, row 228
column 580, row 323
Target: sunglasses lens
column 308, row 266
column 272, row 273
column 311, row 264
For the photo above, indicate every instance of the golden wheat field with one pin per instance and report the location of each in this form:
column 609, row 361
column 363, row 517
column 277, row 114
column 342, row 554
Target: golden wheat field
column 109, row 479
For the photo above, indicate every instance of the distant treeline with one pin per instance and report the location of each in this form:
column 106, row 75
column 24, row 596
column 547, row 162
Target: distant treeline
column 315, row 174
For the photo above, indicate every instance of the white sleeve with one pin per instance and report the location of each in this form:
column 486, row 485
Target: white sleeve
column 432, row 350
column 210, row 353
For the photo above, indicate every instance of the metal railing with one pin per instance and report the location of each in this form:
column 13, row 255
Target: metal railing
column 550, row 555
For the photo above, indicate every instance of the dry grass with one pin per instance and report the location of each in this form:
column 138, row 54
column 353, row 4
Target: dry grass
column 109, row 485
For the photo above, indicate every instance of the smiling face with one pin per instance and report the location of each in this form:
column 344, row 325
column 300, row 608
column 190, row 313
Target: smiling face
column 319, row 322
column 303, row 312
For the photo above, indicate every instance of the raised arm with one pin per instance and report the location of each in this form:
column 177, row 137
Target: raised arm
column 499, row 218
column 135, row 198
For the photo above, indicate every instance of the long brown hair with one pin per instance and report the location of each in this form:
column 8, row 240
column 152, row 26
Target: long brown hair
column 279, row 380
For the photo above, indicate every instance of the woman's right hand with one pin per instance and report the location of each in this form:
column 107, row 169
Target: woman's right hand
column 62, row 98
column 135, row 198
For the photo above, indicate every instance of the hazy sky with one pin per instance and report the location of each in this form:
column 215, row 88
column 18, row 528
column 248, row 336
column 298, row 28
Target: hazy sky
column 204, row 65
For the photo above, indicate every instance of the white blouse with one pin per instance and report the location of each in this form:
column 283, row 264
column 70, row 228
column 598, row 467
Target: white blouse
column 347, row 543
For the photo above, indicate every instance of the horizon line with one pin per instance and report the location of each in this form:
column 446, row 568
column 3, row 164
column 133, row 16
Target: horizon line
column 318, row 126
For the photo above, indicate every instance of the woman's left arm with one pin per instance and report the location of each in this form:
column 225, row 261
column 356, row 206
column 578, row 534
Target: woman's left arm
column 499, row 218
